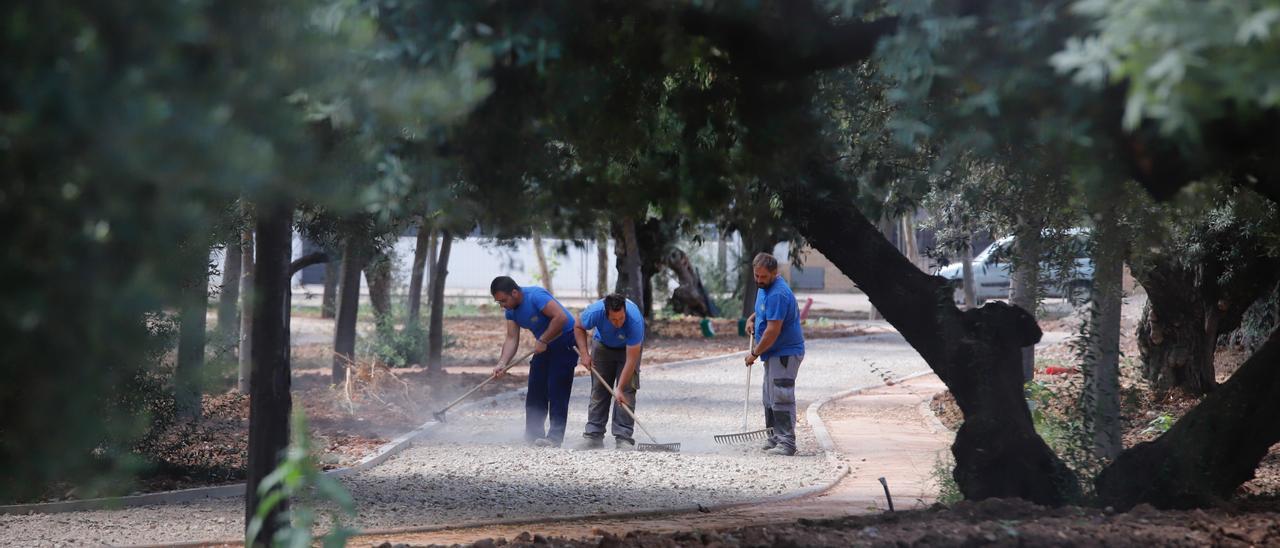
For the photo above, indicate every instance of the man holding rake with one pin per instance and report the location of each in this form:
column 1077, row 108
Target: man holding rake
column 779, row 342
column 615, row 355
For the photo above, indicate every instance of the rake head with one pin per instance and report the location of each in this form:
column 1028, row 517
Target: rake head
column 744, row 437
column 439, row 416
column 659, row 447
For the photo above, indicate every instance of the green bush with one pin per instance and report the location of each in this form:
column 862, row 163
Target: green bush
column 941, row 477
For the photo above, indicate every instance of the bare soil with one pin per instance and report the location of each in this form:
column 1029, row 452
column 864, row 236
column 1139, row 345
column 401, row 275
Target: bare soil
column 993, row 522
column 383, row 402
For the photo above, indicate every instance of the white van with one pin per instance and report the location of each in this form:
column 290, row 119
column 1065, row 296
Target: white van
column 991, row 273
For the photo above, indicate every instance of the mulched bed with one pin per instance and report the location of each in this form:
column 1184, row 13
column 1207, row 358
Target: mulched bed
column 994, row 522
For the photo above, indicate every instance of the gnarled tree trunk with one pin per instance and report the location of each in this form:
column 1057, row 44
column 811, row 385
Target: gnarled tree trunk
column 1211, row 450
column 977, row 352
column 690, row 297
column 1190, row 306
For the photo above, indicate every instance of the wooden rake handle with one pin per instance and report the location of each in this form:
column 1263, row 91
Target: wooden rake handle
column 505, row 368
column 623, row 405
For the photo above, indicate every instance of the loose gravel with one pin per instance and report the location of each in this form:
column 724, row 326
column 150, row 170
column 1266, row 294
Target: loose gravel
column 475, row 468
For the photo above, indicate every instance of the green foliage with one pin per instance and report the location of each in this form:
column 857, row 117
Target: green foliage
column 942, row 479
column 1058, row 419
column 1184, row 61
column 1159, row 425
column 397, row 347
column 298, row 479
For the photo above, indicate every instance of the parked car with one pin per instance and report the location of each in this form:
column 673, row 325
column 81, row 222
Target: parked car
column 991, row 273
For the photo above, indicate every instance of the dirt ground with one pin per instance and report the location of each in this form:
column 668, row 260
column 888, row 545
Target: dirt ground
column 992, row 522
column 1145, row 413
column 383, row 402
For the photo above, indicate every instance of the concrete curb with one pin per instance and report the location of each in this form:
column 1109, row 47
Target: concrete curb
column 812, row 415
column 386, row 451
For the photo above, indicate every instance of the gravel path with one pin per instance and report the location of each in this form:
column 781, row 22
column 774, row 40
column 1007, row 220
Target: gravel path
column 474, row 469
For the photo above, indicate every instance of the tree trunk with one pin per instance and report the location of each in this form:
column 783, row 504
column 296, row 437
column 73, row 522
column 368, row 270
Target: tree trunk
column 229, row 298
column 433, row 257
column 420, row 252
column 1174, row 339
column 751, row 245
column 602, row 263
column 907, row 233
column 329, row 300
column 722, row 257
column 1190, row 306
column 344, row 331
column 1211, row 450
column 543, row 271
column 634, row 288
column 690, row 297
column 977, row 352
column 247, row 304
column 377, row 275
column 435, row 335
column 1025, row 285
column 191, row 333
column 1102, row 361
column 270, row 402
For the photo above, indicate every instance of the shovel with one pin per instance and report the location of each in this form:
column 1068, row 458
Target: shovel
column 745, row 436
column 655, row 446
column 439, row 415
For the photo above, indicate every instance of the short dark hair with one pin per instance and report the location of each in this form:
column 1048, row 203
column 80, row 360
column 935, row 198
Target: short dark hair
column 502, row 284
column 767, row 261
column 614, row 302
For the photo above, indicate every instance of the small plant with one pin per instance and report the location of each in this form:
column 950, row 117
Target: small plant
column 1159, row 425
column 300, row 481
column 941, row 477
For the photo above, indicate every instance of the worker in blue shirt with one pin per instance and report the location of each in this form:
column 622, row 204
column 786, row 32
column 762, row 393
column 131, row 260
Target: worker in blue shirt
column 779, row 341
column 615, row 356
column 551, row 370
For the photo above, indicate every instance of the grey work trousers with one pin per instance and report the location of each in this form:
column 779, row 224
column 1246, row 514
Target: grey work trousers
column 780, row 397
column 609, row 363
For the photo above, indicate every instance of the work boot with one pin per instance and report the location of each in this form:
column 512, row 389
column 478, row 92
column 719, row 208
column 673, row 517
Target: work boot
column 623, row 444
column 544, row 442
column 784, row 433
column 590, row 442
column 768, row 445
column 781, row 450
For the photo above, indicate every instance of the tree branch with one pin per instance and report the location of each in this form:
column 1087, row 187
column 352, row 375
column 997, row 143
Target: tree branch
column 318, row 257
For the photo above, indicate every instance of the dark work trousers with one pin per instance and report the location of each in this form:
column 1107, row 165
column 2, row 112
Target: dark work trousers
column 609, row 363
column 550, row 383
column 780, row 398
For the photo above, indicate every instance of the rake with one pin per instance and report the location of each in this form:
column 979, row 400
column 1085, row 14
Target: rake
column 745, row 436
column 439, row 415
column 655, row 446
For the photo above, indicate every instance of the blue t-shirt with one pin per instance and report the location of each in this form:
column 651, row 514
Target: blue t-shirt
column 529, row 314
column 779, row 303
column 631, row 333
